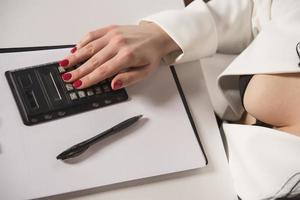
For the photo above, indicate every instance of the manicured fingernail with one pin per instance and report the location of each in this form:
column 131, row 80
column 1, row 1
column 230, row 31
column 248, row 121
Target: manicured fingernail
column 117, row 85
column 74, row 50
column 66, row 76
column 64, row 63
column 77, row 84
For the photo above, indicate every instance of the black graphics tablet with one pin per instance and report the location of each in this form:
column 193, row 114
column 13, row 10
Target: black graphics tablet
column 41, row 94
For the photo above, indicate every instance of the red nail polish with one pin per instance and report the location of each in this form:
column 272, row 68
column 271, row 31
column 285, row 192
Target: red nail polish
column 74, row 50
column 117, row 85
column 77, row 84
column 66, row 76
column 64, row 63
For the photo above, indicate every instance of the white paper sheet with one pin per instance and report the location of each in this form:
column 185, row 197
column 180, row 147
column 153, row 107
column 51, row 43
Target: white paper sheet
column 163, row 142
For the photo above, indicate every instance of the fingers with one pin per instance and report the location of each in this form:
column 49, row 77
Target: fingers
column 89, row 66
column 106, row 70
column 84, row 53
column 89, row 45
column 107, row 52
column 93, row 35
column 130, row 77
column 102, row 66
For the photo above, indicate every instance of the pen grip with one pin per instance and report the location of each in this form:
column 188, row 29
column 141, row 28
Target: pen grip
column 124, row 124
column 98, row 137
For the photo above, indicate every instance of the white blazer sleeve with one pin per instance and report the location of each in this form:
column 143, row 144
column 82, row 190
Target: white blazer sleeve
column 202, row 29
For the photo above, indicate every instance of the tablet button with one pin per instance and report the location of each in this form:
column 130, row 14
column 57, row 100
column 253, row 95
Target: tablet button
column 61, row 69
column 90, row 92
column 73, row 96
column 69, row 87
column 81, row 94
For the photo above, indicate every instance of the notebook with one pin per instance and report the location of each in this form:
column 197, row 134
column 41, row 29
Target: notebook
column 163, row 142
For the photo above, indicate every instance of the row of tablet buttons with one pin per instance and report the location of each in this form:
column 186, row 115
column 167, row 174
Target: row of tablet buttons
column 82, row 94
column 106, row 88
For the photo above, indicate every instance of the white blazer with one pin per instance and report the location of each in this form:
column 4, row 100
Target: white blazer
column 265, row 163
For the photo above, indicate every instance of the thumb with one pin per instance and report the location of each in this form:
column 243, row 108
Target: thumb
column 130, row 77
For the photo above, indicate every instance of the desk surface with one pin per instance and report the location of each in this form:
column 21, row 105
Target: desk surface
column 36, row 23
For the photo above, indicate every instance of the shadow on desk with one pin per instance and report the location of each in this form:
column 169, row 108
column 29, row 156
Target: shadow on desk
column 147, row 89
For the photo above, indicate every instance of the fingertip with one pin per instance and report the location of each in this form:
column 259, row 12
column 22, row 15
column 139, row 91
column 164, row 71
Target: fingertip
column 129, row 78
column 66, row 76
column 73, row 50
column 77, row 84
column 64, row 63
column 117, row 84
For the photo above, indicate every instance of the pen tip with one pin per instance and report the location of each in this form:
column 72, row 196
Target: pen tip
column 60, row 157
column 140, row 116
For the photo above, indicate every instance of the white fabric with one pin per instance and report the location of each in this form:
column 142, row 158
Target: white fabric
column 182, row 23
column 273, row 51
column 266, row 32
column 261, row 160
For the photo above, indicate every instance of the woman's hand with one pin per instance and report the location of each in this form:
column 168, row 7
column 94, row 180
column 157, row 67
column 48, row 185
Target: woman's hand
column 129, row 52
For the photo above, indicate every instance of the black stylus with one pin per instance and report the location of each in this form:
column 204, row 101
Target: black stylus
column 81, row 147
column 298, row 51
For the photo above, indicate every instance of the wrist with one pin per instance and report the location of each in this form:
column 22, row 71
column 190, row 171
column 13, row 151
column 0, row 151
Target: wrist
column 164, row 42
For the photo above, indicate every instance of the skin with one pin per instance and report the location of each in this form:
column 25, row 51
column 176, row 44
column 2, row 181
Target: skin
column 129, row 52
column 133, row 52
column 274, row 99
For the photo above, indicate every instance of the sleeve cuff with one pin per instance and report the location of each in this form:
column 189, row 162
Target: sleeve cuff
column 192, row 28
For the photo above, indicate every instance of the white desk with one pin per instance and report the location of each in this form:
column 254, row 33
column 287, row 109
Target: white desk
column 28, row 23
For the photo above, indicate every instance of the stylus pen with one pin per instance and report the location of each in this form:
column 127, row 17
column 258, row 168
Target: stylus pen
column 81, row 147
column 298, row 51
